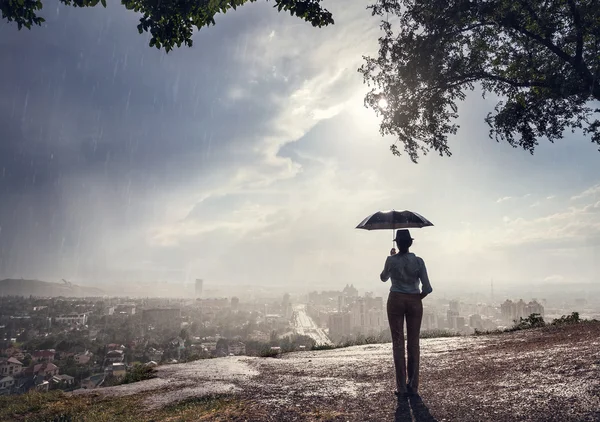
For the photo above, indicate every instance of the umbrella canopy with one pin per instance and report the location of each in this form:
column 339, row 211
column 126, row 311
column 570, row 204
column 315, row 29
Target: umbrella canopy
column 386, row 220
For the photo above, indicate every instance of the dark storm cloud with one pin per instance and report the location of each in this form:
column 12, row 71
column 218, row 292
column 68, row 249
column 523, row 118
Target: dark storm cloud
column 93, row 123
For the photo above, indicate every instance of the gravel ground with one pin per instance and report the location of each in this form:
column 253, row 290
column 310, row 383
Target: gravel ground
column 549, row 374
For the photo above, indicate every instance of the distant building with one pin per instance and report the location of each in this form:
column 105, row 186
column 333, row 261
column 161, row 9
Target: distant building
column 455, row 306
column 6, row 384
column 125, row 308
column 115, row 356
column 513, row 311
column 287, row 306
column 80, row 319
column 451, row 317
column 117, row 369
column 10, row 366
column 429, row 321
column 235, row 303
column 94, row 381
column 476, row 322
column 350, row 291
column 83, row 358
column 62, row 381
column 236, row 348
column 154, row 354
column 44, row 370
column 199, row 286
column 460, row 324
column 44, row 355
column 340, row 325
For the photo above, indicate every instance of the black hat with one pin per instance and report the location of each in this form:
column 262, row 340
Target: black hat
column 403, row 235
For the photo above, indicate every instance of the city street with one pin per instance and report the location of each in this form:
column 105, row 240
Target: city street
column 304, row 325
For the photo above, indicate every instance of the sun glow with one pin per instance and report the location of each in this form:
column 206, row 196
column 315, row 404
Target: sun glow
column 382, row 103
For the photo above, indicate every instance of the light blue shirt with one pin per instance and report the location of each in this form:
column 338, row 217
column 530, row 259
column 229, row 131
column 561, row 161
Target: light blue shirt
column 406, row 270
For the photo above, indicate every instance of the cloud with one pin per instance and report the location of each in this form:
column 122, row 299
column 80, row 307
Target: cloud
column 504, row 199
column 591, row 192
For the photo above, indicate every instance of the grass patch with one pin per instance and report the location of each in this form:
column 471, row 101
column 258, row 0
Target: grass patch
column 218, row 408
column 57, row 406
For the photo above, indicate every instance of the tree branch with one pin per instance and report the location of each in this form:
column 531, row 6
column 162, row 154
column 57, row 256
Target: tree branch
column 544, row 41
column 578, row 30
column 476, row 76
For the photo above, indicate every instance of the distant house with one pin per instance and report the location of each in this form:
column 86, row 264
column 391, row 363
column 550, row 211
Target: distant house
column 62, row 381
column 44, row 355
column 42, row 387
column 6, row 385
column 209, row 346
column 115, row 356
column 44, row 370
column 236, row 348
column 10, row 366
column 114, row 346
column 94, row 381
column 117, row 370
column 154, row 354
column 19, row 355
column 83, row 358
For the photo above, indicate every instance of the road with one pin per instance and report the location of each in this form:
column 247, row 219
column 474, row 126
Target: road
column 304, row 325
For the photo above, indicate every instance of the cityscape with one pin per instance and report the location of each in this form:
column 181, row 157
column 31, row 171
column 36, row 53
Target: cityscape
column 62, row 343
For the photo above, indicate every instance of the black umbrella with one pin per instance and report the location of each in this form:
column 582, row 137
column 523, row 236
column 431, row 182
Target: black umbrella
column 391, row 220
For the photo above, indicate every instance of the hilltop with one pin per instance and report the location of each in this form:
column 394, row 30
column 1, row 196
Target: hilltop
column 22, row 287
column 546, row 374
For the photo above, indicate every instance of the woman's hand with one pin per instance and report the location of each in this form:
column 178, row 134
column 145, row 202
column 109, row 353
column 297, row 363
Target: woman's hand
column 393, row 251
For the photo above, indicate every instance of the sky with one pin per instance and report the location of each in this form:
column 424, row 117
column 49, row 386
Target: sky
column 250, row 158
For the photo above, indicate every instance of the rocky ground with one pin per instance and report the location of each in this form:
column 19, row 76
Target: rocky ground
column 549, row 374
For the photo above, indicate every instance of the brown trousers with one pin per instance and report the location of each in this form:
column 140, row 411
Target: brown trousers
column 401, row 306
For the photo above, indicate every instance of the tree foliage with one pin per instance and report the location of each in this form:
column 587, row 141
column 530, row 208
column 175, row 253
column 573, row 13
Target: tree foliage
column 170, row 22
column 541, row 58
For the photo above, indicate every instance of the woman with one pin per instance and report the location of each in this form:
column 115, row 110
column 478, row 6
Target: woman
column 406, row 270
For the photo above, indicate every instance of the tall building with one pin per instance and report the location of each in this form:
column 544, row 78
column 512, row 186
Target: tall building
column 199, row 285
column 429, row 321
column 340, row 325
column 455, row 306
column 235, row 303
column 350, row 290
column 287, row 306
column 513, row 311
column 452, row 317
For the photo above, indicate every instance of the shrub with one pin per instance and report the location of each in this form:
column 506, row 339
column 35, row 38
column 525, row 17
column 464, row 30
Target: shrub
column 532, row 321
column 323, row 347
column 570, row 319
column 139, row 373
